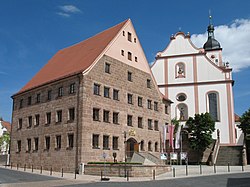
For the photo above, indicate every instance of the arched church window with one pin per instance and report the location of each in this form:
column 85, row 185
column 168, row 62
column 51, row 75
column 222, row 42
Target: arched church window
column 182, row 112
column 213, row 105
column 181, row 97
column 156, row 146
column 180, row 71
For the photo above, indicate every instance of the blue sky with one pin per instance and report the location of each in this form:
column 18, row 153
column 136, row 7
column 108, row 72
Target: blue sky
column 32, row 31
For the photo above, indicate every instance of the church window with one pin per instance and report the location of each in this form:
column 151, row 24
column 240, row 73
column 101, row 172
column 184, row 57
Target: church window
column 180, row 70
column 213, row 105
column 181, row 97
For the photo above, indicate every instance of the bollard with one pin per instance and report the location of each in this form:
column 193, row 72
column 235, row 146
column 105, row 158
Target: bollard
column 153, row 174
column 200, row 169
column 41, row 171
column 101, row 174
column 242, row 167
column 127, row 175
column 32, row 168
column 214, row 168
column 16, row 166
column 75, row 174
column 186, row 169
column 173, row 172
column 11, row 165
column 51, row 171
column 24, row 168
column 62, row 172
column 228, row 167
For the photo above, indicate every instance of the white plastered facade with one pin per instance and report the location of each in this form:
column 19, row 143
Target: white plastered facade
column 204, row 72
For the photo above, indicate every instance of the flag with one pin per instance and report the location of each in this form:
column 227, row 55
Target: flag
column 171, row 135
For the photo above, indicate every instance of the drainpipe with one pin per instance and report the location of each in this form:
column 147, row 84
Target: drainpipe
column 77, row 124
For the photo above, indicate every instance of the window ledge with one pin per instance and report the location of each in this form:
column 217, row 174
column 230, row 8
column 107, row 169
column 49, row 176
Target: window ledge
column 95, row 147
column 106, row 148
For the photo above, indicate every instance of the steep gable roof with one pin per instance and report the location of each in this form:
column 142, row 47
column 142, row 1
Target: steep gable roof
column 74, row 59
column 6, row 125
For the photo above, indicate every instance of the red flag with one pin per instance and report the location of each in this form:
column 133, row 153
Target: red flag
column 171, row 135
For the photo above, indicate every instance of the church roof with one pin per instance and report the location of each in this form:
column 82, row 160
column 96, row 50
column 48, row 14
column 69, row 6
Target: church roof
column 74, row 59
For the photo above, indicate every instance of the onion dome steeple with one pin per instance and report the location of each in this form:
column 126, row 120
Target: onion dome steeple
column 212, row 43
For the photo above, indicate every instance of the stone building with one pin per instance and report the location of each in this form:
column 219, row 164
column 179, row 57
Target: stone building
column 93, row 99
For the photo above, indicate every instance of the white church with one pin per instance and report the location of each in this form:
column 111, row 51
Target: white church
column 198, row 81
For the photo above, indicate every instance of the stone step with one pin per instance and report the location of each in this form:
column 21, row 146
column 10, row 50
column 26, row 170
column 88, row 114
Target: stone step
column 229, row 154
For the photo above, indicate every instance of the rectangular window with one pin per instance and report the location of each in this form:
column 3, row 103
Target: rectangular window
column 19, row 146
column 105, row 142
column 58, row 142
column 59, row 116
column 115, row 142
column 116, row 94
column 72, row 88
column 107, row 67
column 140, row 101
column 129, row 37
column 129, row 76
column 136, row 59
column 156, row 126
column 20, row 123
column 21, row 103
column 115, row 117
column 140, row 122
column 49, row 95
column 96, row 114
column 29, row 121
column 48, row 118
column 38, row 98
column 47, row 142
column 106, row 92
column 28, row 145
column 129, row 56
column 37, row 119
column 166, row 109
column 71, row 114
column 95, row 141
column 129, row 120
column 130, row 99
column 29, row 100
column 96, row 89
column 36, row 140
column 148, row 83
column 60, row 91
column 70, row 141
column 149, row 104
column 150, row 124
column 105, row 116
column 156, row 106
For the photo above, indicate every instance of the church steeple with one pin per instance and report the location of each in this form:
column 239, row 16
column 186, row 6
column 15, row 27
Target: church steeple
column 212, row 43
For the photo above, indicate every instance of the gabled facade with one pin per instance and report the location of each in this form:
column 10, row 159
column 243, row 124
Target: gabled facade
column 197, row 81
column 98, row 96
column 5, row 127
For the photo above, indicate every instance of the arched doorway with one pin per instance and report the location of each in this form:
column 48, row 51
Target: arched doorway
column 132, row 146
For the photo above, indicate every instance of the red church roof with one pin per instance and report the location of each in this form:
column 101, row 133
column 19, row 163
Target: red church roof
column 6, row 124
column 74, row 59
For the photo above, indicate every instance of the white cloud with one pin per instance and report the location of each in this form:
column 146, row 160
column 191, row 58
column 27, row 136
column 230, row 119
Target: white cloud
column 235, row 41
column 67, row 10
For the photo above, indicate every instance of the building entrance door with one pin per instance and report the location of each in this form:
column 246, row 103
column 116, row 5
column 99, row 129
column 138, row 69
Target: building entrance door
column 132, row 146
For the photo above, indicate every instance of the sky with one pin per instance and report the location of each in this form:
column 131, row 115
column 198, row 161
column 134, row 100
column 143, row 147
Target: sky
column 32, row 31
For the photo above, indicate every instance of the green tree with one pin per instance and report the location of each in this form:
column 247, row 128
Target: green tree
column 200, row 130
column 245, row 123
column 5, row 140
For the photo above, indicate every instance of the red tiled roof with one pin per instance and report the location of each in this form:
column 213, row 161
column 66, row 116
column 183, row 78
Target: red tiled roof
column 236, row 118
column 6, row 125
column 74, row 59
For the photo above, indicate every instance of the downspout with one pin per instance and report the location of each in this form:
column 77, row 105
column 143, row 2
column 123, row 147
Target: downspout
column 77, row 125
